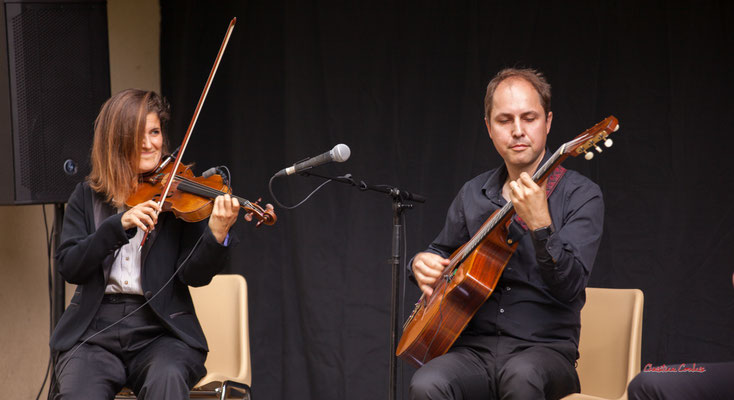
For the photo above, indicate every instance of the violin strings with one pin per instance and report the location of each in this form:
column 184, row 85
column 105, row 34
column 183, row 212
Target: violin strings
column 198, row 188
column 204, row 190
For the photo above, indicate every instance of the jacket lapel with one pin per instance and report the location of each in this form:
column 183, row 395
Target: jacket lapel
column 103, row 210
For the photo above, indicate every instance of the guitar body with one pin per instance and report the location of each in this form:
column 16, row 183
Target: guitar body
column 436, row 324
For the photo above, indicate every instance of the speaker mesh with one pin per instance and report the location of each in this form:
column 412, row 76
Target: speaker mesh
column 61, row 78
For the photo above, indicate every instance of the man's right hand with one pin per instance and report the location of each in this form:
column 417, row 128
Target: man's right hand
column 427, row 268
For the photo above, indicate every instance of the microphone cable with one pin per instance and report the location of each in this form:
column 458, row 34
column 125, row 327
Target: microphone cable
column 270, row 187
column 228, row 178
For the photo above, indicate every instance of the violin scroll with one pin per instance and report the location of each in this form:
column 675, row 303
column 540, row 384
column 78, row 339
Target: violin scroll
column 264, row 216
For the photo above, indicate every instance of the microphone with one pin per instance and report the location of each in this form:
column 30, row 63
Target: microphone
column 211, row 171
column 219, row 170
column 339, row 153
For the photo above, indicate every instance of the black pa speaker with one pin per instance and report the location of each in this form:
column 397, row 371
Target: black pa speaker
column 54, row 77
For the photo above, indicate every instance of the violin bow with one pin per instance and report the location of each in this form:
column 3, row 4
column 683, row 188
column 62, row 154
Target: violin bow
column 194, row 118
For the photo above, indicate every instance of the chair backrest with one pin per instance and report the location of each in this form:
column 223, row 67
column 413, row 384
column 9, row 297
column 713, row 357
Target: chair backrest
column 221, row 307
column 611, row 338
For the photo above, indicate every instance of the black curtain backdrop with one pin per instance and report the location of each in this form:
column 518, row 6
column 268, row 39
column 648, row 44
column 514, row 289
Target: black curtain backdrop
column 402, row 83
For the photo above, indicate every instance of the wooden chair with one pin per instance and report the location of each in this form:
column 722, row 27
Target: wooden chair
column 611, row 339
column 221, row 308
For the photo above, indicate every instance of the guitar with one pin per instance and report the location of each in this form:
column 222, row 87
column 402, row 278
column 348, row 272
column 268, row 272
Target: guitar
column 474, row 268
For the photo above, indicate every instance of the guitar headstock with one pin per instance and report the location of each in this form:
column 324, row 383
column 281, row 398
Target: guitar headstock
column 591, row 138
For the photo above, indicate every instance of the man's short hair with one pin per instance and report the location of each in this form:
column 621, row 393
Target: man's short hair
column 532, row 76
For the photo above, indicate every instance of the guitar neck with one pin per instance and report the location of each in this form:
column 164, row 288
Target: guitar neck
column 546, row 169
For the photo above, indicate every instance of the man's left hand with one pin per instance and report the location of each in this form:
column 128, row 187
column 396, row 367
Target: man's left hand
column 530, row 202
column 224, row 215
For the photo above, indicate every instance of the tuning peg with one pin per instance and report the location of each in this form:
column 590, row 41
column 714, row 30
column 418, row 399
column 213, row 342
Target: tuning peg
column 608, row 143
column 588, row 155
column 617, row 128
column 597, row 148
column 248, row 217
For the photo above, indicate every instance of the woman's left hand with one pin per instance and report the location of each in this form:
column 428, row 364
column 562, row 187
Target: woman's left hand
column 224, row 215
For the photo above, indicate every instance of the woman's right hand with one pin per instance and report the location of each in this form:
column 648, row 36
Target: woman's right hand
column 143, row 216
column 427, row 268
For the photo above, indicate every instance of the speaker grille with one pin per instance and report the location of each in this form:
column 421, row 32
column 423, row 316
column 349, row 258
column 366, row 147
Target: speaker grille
column 59, row 72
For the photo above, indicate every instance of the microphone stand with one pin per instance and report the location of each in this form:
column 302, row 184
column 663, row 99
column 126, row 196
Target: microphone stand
column 399, row 197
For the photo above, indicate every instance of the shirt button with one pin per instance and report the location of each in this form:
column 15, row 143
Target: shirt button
column 508, row 288
column 127, row 258
column 502, row 310
column 126, row 282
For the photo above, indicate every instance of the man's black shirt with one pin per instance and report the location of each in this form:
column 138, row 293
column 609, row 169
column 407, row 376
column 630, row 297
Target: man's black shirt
column 540, row 294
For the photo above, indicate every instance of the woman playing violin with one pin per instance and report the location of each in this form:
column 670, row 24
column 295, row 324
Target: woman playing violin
column 158, row 350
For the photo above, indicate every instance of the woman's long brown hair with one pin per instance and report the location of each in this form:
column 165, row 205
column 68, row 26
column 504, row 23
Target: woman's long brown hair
column 118, row 133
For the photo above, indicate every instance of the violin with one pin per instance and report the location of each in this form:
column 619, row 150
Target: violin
column 191, row 198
